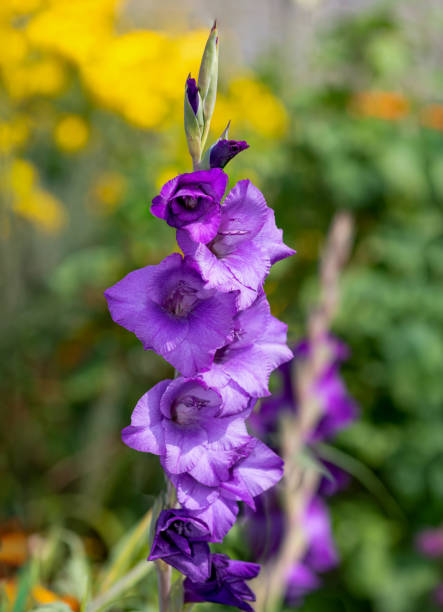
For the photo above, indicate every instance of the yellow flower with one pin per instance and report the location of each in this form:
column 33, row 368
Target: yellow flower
column 14, row 45
column 22, row 178
column 42, row 209
column 109, row 189
column 32, row 202
column 71, row 133
column 74, row 29
column 13, row 133
column 250, row 103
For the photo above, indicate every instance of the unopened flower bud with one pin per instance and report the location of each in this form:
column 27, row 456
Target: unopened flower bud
column 207, row 78
column 224, row 150
column 193, row 114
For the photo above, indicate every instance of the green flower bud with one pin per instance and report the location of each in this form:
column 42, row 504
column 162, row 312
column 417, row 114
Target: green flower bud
column 193, row 115
column 207, row 79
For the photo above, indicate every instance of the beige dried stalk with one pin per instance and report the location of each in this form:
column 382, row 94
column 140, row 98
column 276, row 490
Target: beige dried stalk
column 301, row 479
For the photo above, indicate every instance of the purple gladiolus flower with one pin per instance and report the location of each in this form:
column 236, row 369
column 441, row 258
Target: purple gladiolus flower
column 437, row 595
column 226, row 584
column 301, row 580
column 224, row 150
column 257, row 348
column 265, row 525
column 182, row 541
column 246, row 244
column 430, row 543
column 339, row 409
column 336, row 481
column 169, row 310
column 192, row 202
column 321, row 553
column 182, row 421
column 257, row 469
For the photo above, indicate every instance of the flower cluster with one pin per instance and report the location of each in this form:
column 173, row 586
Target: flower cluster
column 207, row 314
column 338, row 409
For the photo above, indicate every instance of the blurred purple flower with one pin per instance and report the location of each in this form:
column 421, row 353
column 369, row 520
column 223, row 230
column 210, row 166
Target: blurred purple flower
column 226, row 584
column 168, row 308
column 181, row 420
column 336, row 481
column 192, row 202
column 265, row 525
column 437, row 595
column 224, row 150
column 321, row 554
column 301, row 580
column 339, row 409
column 245, row 246
column 182, row 541
column 430, row 542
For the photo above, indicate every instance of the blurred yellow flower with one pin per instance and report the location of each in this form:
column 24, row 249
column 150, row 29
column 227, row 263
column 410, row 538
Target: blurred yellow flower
column 141, row 75
column 14, row 45
column 30, row 201
column 14, row 133
column 110, row 189
column 71, row 133
column 74, row 29
column 249, row 102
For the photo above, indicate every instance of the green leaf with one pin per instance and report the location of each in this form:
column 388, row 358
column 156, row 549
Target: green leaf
column 58, row 606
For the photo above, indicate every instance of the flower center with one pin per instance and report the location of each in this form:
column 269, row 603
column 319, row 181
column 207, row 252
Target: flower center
column 226, row 242
column 222, row 354
column 186, row 409
column 189, row 202
column 182, row 528
column 181, row 300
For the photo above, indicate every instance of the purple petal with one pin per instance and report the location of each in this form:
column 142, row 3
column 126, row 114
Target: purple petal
column 260, row 470
column 206, row 227
column 193, row 495
column 209, row 325
column 220, row 516
column 184, row 447
column 146, row 432
column 272, row 239
column 301, row 580
column 322, row 554
column 234, row 259
column 134, row 304
column 192, row 93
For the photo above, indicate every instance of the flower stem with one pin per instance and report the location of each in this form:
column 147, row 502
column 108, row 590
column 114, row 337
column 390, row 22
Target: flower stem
column 164, row 584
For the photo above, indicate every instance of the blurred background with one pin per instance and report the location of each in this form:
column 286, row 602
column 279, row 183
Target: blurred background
column 342, row 104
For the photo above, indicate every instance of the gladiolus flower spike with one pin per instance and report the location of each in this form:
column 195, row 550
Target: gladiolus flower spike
column 207, row 314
